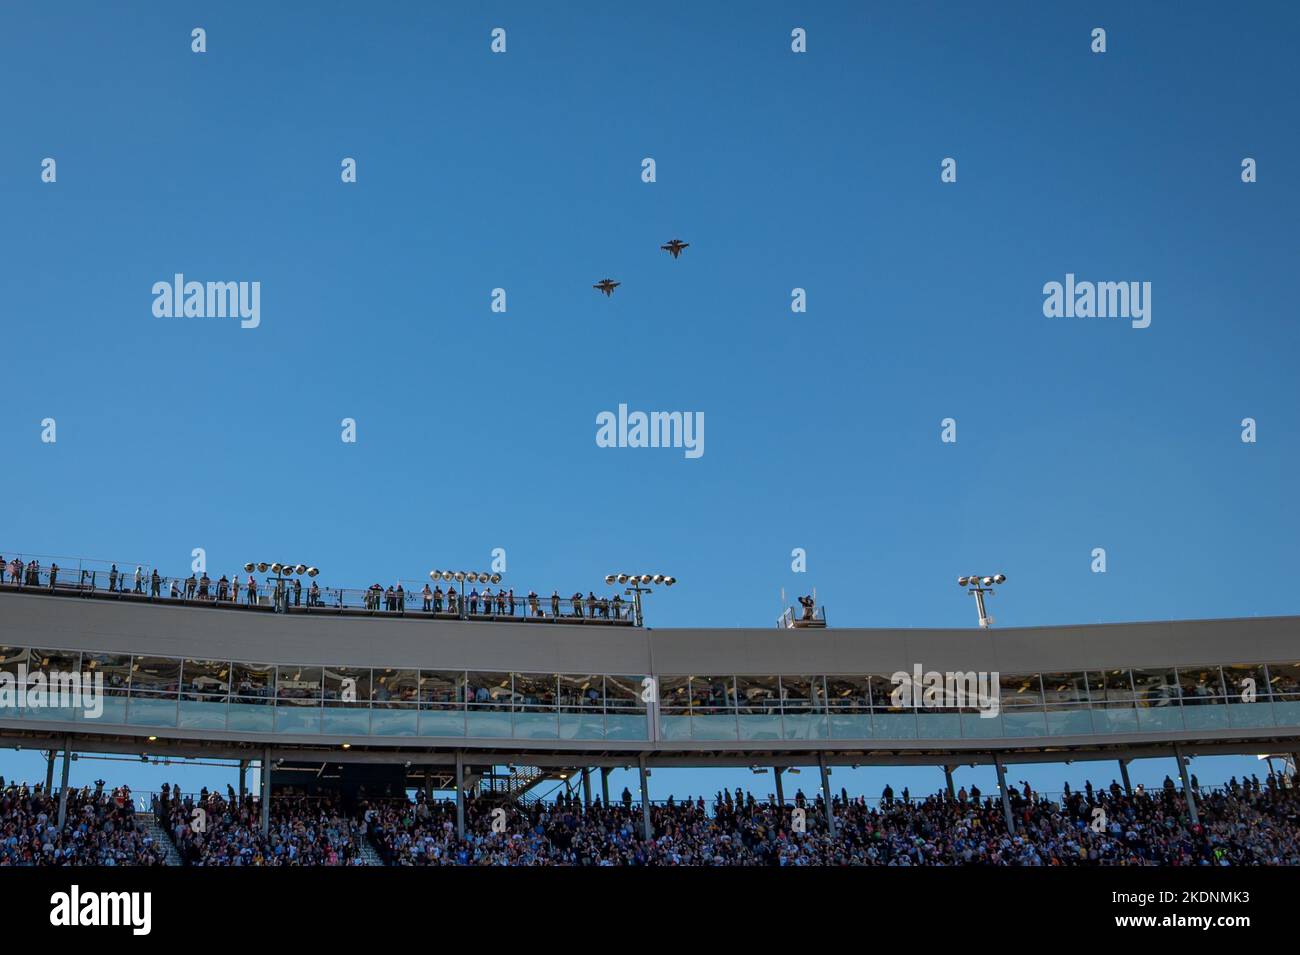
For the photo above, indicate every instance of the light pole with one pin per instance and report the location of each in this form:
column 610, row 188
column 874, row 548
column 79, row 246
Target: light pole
column 637, row 587
column 463, row 577
column 281, row 574
column 979, row 586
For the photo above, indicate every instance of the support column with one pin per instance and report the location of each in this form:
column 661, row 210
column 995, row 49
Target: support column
column 460, row 795
column 428, row 785
column 604, row 786
column 1187, row 786
column 243, row 779
column 63, row 790
column 780, row 789
column 586, row 789
column 1002, row 788
column 266, row 790
column 1123, row 773
column 646, row 829
column 947, row 775
column 49, row 772
column 826, row 794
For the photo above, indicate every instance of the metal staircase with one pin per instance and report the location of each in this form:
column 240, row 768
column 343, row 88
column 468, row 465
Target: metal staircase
column 151, row 825
column 366, row 852
column 515, row 786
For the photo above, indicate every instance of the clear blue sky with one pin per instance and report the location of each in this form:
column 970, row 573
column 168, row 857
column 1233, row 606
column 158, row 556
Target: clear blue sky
column 522, row 171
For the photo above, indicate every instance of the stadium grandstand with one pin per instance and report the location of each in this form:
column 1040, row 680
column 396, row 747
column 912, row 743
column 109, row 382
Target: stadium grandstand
column 358, row 717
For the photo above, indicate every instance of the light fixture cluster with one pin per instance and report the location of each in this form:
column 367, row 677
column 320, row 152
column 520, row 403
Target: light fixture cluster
column 979, row 586
column 640, row 579
column 285, row 570
column 461, row 576
column 975, row 581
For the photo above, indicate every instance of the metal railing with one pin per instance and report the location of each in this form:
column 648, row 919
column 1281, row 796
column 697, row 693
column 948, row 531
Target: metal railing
column 106, row 579
column 793, row 618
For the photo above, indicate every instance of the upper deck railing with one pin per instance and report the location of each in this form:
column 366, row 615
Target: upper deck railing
column 72, row 576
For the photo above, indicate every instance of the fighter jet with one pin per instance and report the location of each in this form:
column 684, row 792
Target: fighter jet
column 607, row 286
column 674, row 247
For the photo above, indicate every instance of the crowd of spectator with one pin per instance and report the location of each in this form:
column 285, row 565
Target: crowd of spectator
column 289, row 592
column 101, row 828
column 214, row 830
column 1243, row 823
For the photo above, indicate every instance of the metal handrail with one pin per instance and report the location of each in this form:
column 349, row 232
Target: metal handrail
column 234, row 593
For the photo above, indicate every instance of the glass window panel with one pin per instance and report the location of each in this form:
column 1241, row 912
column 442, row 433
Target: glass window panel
column 13, row 657
column 1205, row 714
column 1021, row 689
column 155, row 674
column 1156, row 687
column 488, row 690
column 1068, row 721
column 298, row 686
column 758, row 695
column 849, row 694
column 624, row 693
column 1284, row 679
column 56, row 661
column 1065, row 688
column 535, row 690
column 253, row 682
column 582, row 694
column 355, row 680
column 1239, row 677
column 712, row 695
column 1110, row 686
column 1199, row 684
column 1250, row 715
column 393, row 687
column 442, row 688
column 205, row 679
column 803, row 694
column 115, row 669
column 882, row 697
column 674, row 693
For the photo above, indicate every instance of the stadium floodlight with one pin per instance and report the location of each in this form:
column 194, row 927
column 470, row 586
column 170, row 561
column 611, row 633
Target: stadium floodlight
column 979, row 586
column 435, row 574
column 636, row 586
column 282, row 571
